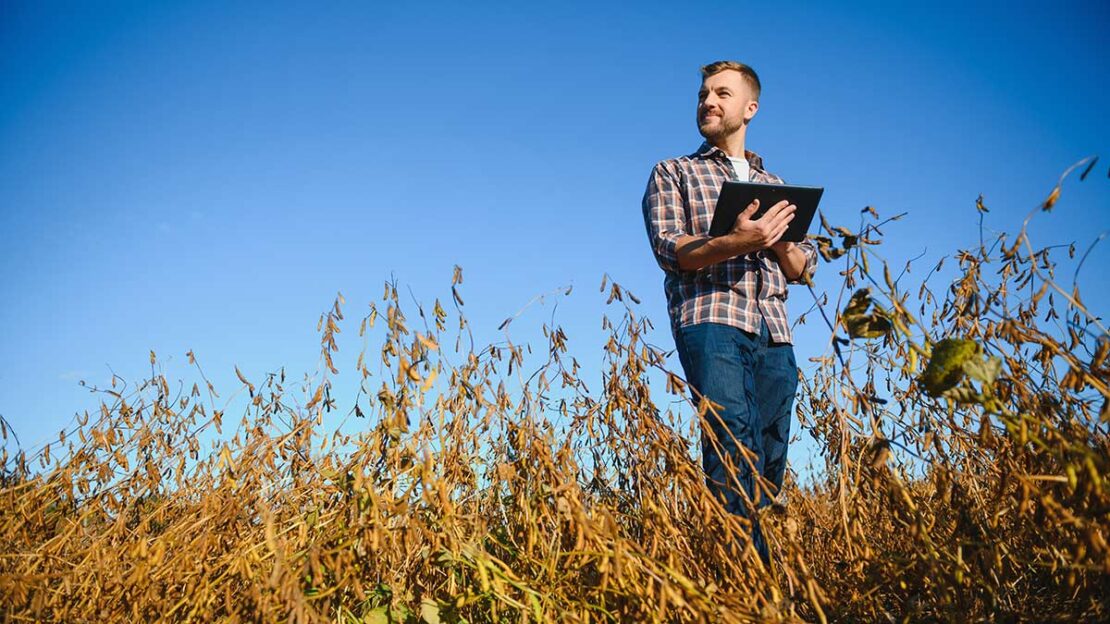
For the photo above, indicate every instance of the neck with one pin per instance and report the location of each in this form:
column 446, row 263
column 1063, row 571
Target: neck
column 733, row 144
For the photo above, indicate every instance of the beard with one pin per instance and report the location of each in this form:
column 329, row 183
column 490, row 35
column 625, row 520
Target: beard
column 721, row 128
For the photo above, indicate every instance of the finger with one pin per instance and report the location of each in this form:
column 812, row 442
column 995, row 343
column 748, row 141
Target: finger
column 785, row 208
column 776, row 209
column 780, row 228
column 781, row 232
column 783, row 217
column 786, row 224
column 750, row 210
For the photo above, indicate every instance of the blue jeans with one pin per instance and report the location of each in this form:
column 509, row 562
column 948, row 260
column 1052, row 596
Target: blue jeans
column 754, row 381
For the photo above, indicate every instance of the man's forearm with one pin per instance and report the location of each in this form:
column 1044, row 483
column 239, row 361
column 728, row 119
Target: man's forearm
column 792, row 260
column 698, row 252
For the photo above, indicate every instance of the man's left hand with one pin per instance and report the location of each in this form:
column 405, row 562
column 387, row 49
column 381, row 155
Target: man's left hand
column 792, row 259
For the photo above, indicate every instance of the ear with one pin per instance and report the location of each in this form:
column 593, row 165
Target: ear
column 751, row 109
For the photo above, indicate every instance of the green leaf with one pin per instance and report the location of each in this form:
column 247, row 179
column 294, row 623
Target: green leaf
column 946, row 366
column 982, row 370
column 537, row 608
column 379, row 615
column 429, row 611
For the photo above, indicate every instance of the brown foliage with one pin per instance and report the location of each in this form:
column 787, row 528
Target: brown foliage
column 474, row 491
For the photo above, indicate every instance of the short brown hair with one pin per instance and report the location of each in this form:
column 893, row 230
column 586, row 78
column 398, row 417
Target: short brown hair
column 747, row 72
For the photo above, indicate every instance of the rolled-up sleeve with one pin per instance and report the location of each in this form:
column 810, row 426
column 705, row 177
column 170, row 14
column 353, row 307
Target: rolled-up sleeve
column 811, row 262
column 664, row 216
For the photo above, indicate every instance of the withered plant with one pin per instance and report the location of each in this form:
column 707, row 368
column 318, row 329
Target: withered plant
column 964, row 433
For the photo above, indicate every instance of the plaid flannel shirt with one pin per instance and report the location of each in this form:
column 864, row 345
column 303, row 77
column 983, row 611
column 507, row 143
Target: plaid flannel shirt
column 679, row 200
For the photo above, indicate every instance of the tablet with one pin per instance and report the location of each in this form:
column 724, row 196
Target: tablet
column 736, row 196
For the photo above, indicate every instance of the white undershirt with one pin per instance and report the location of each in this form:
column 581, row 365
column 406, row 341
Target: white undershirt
column 743, row 170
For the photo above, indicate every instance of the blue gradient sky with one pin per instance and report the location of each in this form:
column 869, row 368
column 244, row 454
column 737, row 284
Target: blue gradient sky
column 196, row 175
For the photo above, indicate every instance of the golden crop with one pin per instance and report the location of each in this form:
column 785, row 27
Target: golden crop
column 965, row 448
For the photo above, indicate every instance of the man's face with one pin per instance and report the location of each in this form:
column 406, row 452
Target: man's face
column 725, row 104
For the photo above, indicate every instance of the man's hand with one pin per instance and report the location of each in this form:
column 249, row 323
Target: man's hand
column 747, row 235
column 792, row 260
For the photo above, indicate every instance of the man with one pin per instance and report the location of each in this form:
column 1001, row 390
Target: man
column 726, row 295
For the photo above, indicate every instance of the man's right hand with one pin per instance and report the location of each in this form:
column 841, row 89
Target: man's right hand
column 749, row 235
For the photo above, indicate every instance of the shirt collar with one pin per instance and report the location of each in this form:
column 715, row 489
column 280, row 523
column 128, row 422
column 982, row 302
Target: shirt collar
column 712, row 151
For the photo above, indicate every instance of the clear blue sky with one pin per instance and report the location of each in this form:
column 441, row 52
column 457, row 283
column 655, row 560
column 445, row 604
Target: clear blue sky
column 204, row 176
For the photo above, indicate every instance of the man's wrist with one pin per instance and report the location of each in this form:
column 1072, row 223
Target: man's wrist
column 783, row 249
column 736, row 245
